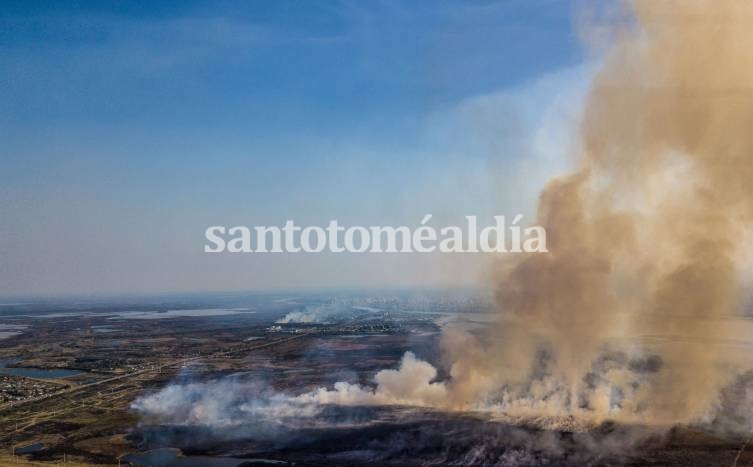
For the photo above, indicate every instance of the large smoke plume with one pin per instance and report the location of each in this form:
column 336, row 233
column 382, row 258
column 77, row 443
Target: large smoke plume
column 643, row 237
column 636, row 313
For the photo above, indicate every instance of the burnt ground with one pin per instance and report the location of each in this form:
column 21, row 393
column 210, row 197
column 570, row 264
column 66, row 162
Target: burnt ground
column 428, row 438
column 94, row 423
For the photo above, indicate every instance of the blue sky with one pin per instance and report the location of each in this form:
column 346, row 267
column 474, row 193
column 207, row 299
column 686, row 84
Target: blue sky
column 130, row 127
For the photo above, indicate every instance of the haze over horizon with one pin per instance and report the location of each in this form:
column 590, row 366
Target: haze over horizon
column 130, row 128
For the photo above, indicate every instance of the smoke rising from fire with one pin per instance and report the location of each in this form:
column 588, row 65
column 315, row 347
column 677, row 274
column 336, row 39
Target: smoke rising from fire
column 636, row 313
column 644, row 236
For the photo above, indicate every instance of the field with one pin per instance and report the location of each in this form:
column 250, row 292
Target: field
column 114, row 354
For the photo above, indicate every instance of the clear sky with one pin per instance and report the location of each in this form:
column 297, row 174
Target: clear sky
column 128, row 128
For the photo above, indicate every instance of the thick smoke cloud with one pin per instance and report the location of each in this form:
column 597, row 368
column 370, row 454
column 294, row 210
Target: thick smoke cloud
column 370, row 424
column 411, row 384
column 636, row 313
column 644, row 236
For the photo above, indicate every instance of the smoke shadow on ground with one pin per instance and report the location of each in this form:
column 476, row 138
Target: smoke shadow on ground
column 407, row 436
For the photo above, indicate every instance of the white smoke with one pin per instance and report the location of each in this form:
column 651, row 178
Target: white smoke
column 411, row 384
column 221, row 404
column 231, row 401
column 319, row 314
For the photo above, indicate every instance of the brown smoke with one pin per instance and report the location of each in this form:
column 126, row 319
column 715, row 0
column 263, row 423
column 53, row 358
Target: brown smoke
column 642, row 238
column 636, row 312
